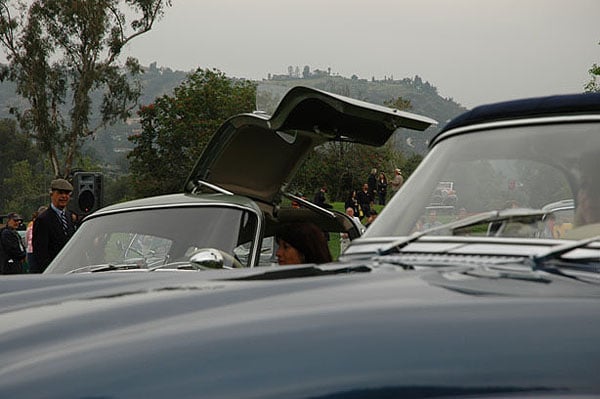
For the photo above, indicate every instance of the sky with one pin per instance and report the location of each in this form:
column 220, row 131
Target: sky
column 473, row 51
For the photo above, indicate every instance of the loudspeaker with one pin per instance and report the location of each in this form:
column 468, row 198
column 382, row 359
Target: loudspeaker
column 88, row 192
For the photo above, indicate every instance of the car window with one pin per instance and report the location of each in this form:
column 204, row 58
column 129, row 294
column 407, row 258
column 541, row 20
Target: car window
column 526, row 167
column 121, row 246
column 267, row 252
column 152, row 237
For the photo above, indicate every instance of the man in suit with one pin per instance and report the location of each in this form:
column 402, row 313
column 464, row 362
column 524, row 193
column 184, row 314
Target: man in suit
column 53, row 227
column 12, row 250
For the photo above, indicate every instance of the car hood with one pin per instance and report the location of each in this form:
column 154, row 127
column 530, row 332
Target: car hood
column 256, row 154
column 228, row 335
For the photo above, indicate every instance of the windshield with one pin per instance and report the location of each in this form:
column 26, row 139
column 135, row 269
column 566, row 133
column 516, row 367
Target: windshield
column 153, row 237
column 539, row 168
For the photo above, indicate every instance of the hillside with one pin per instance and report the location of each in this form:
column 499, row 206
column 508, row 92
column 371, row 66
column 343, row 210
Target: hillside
column 111, row 144
column 422, row 95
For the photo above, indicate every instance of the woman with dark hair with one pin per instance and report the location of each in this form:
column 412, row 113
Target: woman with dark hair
column 382, row 184
column 301, row 243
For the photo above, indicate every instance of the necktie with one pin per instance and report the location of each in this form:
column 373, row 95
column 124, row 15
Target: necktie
column 63, row 219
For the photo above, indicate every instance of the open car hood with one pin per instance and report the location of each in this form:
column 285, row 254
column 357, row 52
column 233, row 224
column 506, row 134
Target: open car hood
column 255, row 155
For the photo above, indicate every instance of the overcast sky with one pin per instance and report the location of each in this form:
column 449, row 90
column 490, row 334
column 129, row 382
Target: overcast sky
column 474, row 51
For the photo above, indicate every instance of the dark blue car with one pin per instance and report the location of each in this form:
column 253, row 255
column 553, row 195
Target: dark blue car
column 487, row 302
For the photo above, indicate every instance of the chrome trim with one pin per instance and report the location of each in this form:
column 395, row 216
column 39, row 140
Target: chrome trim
column 515, row 122
column 309, row 204
column 158, row 206
column 213, row 187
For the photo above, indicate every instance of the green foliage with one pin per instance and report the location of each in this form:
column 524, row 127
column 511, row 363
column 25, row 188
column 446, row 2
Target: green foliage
column 399, row 103
column 593, row 85
column 25, row 190
column 343, row 167
column 59, row 52
column 22, row 172
column 118, row 189
column 176, row 129
column 109, row 145
column 411, row 164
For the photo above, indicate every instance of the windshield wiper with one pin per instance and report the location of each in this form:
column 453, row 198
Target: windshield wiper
column 181, row 265
column 485, row 217
column 543, row 262
column 106, row 268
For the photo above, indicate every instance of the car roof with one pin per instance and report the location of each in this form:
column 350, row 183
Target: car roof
column 177, row 200
column 568, row 104
column 256, row 155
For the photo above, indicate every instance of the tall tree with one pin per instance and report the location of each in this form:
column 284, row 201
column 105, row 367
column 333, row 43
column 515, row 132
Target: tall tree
column 24, row 189
column 59, row 52
column 176, row 129
column 593, row 84
column 16, row 149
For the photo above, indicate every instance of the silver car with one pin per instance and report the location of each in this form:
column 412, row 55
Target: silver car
column 232, row 200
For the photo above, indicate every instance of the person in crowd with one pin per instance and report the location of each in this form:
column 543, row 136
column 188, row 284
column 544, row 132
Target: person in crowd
column 344, row 238
column 586, row 223
column 76, row 219
column 12, row 250
column 298, row 204
column 29, row 237
column 301, row 243
column 320, row 198
column 365, row 199
column 352, row 202
column 372, row 182
column 382, row 184
column 432, row 220
column 419, row 225
column 397, row 181
column 371, row 218
column 54, row 227
column 462, row 213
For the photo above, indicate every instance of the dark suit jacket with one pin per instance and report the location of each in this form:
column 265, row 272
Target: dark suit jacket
column 12, row 251
column 48, row 237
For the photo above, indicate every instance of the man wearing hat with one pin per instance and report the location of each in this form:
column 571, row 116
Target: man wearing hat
column 12, row 250
column 53, row 228
column 397, row 181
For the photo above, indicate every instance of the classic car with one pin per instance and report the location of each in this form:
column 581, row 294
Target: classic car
column 232, row 200
column 479, row 306
column 550, row 148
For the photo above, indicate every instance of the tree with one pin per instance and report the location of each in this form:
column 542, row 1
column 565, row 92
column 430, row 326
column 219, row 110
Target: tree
column 176, row 129
column 593, row 84
column 59, row 52
column 22, row 174
column 343, row 167
column 399, row 103
column 24, row 189
column 306, row 72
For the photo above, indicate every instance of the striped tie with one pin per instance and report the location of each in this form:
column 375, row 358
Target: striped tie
column 63, row 219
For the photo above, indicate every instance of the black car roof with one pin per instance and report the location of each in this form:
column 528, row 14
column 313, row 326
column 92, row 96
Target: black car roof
column 569, row 104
